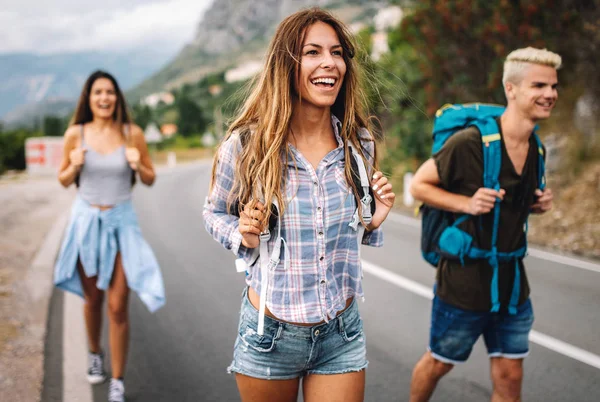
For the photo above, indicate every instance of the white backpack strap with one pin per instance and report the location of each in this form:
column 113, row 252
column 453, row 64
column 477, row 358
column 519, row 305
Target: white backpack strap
column 267, row 264
column 264, row 279
column 360, row 233
column 364, row 182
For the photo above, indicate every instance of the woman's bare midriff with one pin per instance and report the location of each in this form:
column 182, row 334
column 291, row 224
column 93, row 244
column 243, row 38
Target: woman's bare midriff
column 102, row 207
column 255, row 301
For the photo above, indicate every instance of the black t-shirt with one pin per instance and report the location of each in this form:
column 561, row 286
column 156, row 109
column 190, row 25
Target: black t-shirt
column 460, row 167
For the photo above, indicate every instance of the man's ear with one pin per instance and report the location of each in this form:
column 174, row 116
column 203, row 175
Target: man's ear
column 509, row 89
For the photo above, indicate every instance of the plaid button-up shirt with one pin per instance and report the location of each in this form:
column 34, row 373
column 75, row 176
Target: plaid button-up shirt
column 322, row 249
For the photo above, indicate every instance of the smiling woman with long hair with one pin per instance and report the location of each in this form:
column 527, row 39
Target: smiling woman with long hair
column 283, row 198
column 103, row 249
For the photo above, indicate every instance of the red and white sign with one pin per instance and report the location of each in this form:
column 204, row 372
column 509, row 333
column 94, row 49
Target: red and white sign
column 43, row 155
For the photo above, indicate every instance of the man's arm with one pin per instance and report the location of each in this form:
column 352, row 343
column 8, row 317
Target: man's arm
column 425, row 187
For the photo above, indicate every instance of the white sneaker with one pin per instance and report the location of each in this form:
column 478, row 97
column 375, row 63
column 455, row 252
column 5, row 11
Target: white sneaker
column 96, row 373
column 116, row 390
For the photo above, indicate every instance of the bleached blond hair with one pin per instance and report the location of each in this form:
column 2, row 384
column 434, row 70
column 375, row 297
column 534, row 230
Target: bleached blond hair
column 519, row 59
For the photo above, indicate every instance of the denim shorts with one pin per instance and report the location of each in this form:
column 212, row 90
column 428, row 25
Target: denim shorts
column 287, row 351
column 454, row 331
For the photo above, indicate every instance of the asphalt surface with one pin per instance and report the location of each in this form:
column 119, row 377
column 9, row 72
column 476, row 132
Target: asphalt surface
column 181, row 352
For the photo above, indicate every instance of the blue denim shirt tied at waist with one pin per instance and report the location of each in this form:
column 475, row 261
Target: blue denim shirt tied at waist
column 95, row 237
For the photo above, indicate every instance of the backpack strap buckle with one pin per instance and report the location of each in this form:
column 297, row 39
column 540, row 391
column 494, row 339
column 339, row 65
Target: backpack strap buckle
column 366, row 208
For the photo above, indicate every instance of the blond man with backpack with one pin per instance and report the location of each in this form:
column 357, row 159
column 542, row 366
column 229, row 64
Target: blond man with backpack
column 484, row 179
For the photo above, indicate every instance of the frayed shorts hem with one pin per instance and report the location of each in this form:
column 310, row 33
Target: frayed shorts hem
column 332, row 372
column 234, row 370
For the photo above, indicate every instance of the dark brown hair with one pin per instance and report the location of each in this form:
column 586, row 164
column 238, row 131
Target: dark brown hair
column 83, row 112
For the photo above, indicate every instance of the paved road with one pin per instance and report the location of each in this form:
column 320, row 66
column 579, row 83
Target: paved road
column 181, row 352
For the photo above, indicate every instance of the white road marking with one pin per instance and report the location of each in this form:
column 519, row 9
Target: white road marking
column 75, row 385
column 534, row 252
column 539, row 338
column 563, row 259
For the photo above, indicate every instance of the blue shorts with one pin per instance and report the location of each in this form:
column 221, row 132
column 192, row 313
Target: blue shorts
column 287, row 351
column 454, row 331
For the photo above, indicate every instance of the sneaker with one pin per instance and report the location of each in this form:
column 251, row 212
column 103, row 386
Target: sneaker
column 96, row 373
column 116, row 390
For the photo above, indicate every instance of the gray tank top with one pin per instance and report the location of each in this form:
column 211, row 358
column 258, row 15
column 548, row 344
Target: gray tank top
column 105, row 179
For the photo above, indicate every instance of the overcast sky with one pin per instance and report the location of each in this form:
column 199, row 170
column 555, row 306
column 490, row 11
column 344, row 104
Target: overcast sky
column 56, row 26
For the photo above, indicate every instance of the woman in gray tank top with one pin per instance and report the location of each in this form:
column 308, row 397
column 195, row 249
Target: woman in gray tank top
column 103, row 249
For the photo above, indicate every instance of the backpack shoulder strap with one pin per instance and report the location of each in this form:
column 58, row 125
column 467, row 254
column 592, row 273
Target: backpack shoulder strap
column 82, row 137
column 492, row 151
column 541, row 166
column 126, row 127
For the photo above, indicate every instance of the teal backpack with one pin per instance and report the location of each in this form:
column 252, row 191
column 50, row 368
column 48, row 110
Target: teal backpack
column 440, row 235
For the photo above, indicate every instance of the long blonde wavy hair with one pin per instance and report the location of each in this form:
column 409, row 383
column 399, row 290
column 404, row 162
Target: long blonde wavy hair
column 263, row 121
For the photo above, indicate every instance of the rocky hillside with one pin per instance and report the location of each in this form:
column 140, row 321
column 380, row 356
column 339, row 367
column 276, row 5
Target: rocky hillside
column 574, row 222
column 32, row 114
column 232, row 31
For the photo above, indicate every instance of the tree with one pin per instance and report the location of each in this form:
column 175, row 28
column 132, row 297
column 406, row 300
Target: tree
column 395, row 91
column 588, row 47
column 462, row 43
column 190, row 120
column 142, row 115
column 452, row 51
column 12, row 148
column 53, row 126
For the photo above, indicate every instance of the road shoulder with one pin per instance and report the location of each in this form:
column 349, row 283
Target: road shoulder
column 32, row 220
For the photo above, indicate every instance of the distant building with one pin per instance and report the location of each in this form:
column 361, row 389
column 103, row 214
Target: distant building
column 244, row 71
column 168, row 130
column 215, row 90
column 379, row 45
column 388, row 18
column 208, row 139
column 356, row 27
column 152, row 134
column 154, row 99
